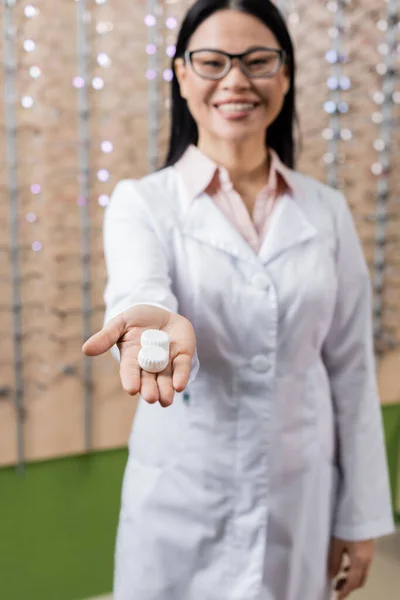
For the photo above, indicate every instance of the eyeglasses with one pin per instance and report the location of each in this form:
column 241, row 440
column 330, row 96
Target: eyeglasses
column 255, row 63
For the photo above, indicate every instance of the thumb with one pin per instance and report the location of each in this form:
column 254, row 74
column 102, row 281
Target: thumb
column 105, row 339
column 335, row 558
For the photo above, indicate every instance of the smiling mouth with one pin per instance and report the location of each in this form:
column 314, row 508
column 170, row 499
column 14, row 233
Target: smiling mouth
column 236, row 107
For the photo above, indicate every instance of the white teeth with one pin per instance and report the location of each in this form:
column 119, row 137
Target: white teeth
column 235, row 107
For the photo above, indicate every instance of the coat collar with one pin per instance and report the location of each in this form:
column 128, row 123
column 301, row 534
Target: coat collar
column 289, row 225
column 198, row 172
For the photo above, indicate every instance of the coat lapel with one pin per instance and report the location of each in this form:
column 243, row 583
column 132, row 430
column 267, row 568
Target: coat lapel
column 206, row 223
column 289, row 226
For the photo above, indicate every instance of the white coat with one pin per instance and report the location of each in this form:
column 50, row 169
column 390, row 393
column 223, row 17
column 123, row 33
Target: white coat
column 234, row 492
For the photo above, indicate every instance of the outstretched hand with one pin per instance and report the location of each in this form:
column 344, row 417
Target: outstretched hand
column 126, row 329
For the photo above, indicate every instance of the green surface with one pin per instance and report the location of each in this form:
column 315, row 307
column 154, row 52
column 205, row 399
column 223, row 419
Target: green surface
column 57, row 527
column 391, row 421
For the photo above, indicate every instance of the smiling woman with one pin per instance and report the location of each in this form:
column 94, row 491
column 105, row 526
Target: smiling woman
column 271, row 469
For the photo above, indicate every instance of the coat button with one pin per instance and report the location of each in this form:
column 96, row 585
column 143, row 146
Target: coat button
column 260, row 363
column 260, row 281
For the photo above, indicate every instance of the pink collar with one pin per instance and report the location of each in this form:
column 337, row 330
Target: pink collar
column 198, row 171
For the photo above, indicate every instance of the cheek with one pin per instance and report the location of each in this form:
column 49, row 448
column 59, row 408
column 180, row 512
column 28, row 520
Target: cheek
column 198, row 91
column 198, row 96
column 281, row 88
column 273, row 96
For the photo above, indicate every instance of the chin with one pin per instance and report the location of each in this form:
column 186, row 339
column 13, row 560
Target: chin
column 236, row 134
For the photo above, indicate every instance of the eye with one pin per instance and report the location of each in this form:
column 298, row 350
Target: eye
column 213, row 63
column 258, row 61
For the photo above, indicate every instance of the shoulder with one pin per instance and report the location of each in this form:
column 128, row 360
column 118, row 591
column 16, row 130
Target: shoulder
column 325, row 207
column 157, row 193
column 161, row 183
column 315, row 190
column 318, row 200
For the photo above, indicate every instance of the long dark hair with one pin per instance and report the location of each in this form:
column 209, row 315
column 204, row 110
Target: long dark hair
column 279, row 135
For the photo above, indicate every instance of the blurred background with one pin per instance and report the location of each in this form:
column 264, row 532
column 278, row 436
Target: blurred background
column 85, row 103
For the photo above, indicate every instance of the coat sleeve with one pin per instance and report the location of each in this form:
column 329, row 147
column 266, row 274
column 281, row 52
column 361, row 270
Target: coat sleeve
column 137, row 258
column 363, row 507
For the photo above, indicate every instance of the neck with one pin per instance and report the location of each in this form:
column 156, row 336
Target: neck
column 243, row 160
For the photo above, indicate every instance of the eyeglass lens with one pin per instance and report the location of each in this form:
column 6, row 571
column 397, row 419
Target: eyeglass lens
column 258, row 63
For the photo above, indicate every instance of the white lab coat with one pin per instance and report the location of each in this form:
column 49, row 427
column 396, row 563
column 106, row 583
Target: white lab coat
column 234, row 491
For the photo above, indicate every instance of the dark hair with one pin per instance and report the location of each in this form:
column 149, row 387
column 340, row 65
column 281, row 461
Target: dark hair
column 279, row 135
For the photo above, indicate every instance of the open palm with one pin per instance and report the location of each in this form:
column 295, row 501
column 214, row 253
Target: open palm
column 126, row 330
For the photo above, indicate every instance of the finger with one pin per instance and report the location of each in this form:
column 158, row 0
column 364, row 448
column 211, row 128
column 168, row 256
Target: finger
column 341, row 578
column 335, row 559
column 130, row 377
column 129, row 369
column 105, row 339
column 165, row 388
column 149, row 388
column 364, row 577
column 351, row 583
column 181, row 367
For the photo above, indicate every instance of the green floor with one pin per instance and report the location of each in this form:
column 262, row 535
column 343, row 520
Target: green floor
column 391, row 421
column 57, row 527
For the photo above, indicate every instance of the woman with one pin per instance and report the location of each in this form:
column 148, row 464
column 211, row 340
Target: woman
column 269, row 468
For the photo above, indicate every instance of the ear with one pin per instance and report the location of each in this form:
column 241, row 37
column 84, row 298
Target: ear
column 180, row 70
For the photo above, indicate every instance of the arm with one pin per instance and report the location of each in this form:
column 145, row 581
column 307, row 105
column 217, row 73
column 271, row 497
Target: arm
column 137, row 259
column 364, row 508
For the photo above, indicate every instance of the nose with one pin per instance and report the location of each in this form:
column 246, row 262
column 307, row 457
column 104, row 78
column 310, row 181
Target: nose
column 235, row 78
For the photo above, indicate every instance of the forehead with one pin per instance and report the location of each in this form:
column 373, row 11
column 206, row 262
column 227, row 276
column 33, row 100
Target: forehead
column 232, row 31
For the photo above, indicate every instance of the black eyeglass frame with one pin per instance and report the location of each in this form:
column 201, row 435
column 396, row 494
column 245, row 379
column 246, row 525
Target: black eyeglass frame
column 281, row 53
